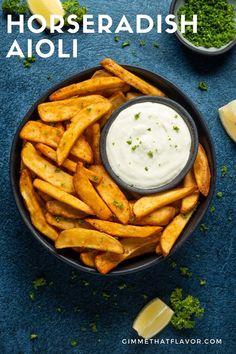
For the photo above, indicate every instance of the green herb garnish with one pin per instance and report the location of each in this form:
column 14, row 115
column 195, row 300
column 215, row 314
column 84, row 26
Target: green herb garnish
column 118, row 205
column 155, row 45
column 203, row 228
column 185, row 272
column 219, row 195
column 150, row 154
column 149, row 129
column 73, row 8
column 33, row 336
column 116, row 38
column 14, row 7
column 137, row 116
column 186, row 309
column 93, row 327
column 129, row 142
column 202, row 86
column 122, row 286
column 134, row 147
column 176, row 128
column 27, row 62
column 73, row 343
column 223, row 170
column 125, row 44
column 37, row 283
column 202, row 282
column 146, row 168
column 142, row 43
column 32, row 296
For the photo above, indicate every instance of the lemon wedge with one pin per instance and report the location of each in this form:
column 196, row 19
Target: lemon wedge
column 152, row 318
column 227, row 115
column 46, row 8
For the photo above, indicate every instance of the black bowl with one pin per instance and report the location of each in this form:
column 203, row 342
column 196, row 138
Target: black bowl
column 174, row 8
column 193, row 149
column 145, row 261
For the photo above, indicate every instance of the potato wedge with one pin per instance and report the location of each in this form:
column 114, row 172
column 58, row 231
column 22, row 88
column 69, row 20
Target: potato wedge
column 105, row 262
column 109, row 92
column 33, row 206
column 189, row 202
column 86, row 117
column 88, row 238
column 172, row 232
column 148, row 204
column 82, row 150
column 88, row 258
column 159, row 217
column 62, row 196
column 45, row 170
column 41, row 133
column 131, row 95
column 116, row 100
column 88, row 194
column 202, row 171
column 112, row 195
column 116, row 229
column 101, row 73
column 95, row 142
column 59, row 111
column 87, row 87
column 131, row 79
column 57, row 208
column 64, row 223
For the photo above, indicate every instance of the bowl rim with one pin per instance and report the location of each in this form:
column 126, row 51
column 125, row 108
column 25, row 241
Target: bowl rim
column 196, row 49
column 19, row 202
column 193, row 149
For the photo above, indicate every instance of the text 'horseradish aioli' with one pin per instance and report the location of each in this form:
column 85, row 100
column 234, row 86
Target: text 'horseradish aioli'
column 148, row 145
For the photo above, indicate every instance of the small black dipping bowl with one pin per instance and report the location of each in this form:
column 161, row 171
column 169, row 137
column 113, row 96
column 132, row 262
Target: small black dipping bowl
column 145, row 261
column 193, row 149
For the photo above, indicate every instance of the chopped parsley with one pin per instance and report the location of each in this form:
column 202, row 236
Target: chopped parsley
column 33, row 336
column 155, row 45
column 125, row 44
column 223, row 170
column 118, row 205
column 145, row 296
column 173, row 264
column 219, row 195
column 134, row 147
column 129, row 142
column 60, row 309
column 39, row 282
column 122, row 286
column 93, row 327
column 27, row 62
column 105, row 295
column 186, row 309
column 57, row 170
column 73, row 343
column 150, row 154
column 212, row 209
column 202, row 86
column 176, row 128
column 49, row 77
column 89, row 109
column 146, row 168
column 142, row 43
column 137, row 116
column 185, row 272
column 95, row 178
column 32, row 296
column 116, row 38
column 149, row 129
column 202, row 282
column 203, row 228
column 73, row 8
column 14, row 7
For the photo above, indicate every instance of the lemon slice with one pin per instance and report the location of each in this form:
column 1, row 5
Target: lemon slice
column 228, row 118
column 46, row 8
column 152, row 318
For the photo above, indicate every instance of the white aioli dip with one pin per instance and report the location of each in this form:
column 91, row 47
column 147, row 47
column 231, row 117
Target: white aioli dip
column 148, row 145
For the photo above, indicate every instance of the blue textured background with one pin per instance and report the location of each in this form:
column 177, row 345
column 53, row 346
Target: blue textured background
column 208, row 254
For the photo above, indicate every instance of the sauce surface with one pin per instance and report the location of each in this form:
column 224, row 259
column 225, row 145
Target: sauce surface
column 148, row 145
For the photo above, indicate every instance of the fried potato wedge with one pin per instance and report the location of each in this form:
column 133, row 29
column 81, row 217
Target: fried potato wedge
column 33, row 206
column 172, row 232
column 82, row 150
column 159, row 217
column 105, row 262
column 88, row 87
column 116, row 100
column 93, row 239
column 86, row 117
column 109, row 92
column 131, row 79
column 62, row 196
column 88, row 194
column 59, row 111
column 116, row 229
column 189, row 202
column 57, row 208
column 41, row 133
column 101, row 73
column 131, row 95
column 112, row 195
column 88, row 258
column 202, row 171
column 64, row 223
column 148, row 204
column 95, row 142
column 45, row 170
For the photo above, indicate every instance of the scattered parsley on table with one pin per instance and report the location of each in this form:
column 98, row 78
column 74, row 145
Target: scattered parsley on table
column 203, row 86
column 73, row 8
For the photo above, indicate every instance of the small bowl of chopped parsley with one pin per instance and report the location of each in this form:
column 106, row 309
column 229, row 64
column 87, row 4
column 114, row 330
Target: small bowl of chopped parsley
column 216, row 25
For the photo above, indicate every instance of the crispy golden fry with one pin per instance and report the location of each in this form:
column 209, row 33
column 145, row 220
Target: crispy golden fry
column 88, row 238
column 57, row 208
column 101, row 73
column 132, row 95
column 41, row 133
column 130, row 78
column 158, row 249
column 59, row 111
column 116, row 229
column 82, row 150
column 45, row 170
column 148, row 204
column 112, row 195
column 86, row 117
column 190, row 202
column 109, row 92
column 173, row 231
column 116, row 100
column 105, row 262
column 62, row 196
column 46, row 198
column 87, row 87
column 88, row 258
column 88, row 194
column 64, row 223
column 36, row 213
column 95, row 143
column 159, row 217
column 202, row 171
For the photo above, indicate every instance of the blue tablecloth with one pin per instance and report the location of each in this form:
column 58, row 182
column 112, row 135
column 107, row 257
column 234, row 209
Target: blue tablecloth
column 98, row 312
